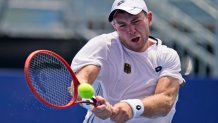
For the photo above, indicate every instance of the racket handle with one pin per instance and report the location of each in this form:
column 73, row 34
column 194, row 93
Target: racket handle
column 95, row 102
column 88, row 103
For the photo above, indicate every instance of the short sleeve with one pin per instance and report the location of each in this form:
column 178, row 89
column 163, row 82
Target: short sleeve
column 94, row 52
column 171, row 65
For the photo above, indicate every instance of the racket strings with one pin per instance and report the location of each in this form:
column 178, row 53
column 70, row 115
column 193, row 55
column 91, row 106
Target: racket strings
column 51, row 79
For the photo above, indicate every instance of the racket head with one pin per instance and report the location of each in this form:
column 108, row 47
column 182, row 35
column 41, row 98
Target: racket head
column 48, row 76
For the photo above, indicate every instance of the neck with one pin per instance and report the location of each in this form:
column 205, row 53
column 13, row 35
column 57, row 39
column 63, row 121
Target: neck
column 149, row 43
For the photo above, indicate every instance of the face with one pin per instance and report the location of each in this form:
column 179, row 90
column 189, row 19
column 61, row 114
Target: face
column 133, row 30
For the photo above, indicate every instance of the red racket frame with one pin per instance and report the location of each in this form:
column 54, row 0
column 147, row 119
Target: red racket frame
column 76, row 83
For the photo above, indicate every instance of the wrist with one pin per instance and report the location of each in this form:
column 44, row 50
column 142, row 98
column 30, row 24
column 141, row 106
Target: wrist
column 136, row 106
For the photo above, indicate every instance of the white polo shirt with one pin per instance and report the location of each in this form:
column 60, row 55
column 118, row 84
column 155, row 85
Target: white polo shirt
column 126, row 74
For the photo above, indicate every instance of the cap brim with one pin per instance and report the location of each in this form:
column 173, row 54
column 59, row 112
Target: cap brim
column 133, row 11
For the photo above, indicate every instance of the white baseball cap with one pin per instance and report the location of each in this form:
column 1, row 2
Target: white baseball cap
column 133, row 7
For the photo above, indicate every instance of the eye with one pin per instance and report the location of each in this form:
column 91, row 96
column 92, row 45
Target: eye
column 122, row 25
column 135, row 21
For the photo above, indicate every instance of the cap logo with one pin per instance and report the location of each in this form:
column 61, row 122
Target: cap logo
column 121, row 2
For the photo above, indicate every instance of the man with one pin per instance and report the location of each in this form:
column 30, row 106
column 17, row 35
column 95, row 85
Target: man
column 139, row 77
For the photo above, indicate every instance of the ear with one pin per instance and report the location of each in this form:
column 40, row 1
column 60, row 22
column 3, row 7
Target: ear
column 113, row 25
column 149, row 15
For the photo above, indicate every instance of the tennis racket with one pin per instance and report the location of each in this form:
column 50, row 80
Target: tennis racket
column 49, row 77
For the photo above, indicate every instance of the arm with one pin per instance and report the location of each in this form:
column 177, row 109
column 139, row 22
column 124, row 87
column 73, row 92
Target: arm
column 88, row 74
column 156, row 105
column 162, row 101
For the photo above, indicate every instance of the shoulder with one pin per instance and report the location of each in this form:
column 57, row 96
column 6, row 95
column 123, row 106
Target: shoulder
column 168, row 57
column 104, row 38
column 164, row 50
column 99, row 43
column 163, row 53
column 169, row 60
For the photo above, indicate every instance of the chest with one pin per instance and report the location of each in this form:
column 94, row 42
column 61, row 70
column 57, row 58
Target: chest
column 136, row 73
column 130, row 77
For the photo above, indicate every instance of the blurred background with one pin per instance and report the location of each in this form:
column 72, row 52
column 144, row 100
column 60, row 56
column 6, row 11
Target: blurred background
column 64, row 26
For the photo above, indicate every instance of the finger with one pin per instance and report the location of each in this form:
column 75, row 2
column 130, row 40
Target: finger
column 120, row 113
column 114, row 113
column 102, row 112
column 99, row 108
column 70, row 90
column 103, row 115
column 119, row 118
column 100, row 99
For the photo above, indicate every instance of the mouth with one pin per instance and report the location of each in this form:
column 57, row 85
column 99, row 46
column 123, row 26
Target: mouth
column 136, row 39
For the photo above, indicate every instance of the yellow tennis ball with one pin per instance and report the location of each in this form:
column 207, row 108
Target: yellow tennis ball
column 86, row 91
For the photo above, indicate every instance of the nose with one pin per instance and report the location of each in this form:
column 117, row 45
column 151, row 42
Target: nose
column 131, row 29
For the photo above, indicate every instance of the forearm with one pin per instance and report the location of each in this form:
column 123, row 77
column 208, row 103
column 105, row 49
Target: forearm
column 157, row 105
column 88, row 73
column 163, row 100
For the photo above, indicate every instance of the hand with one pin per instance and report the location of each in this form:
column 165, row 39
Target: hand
column 122, row 112
column 104, row 110
column 70, row 90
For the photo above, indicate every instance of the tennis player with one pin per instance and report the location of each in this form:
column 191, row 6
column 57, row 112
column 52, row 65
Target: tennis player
column 138, row 76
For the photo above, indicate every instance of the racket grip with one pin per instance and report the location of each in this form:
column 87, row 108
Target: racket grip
column 87, row 103
column 95, row 102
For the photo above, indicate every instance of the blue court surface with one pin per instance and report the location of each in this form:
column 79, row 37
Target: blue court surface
column 17, row 104
column 197, row 104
